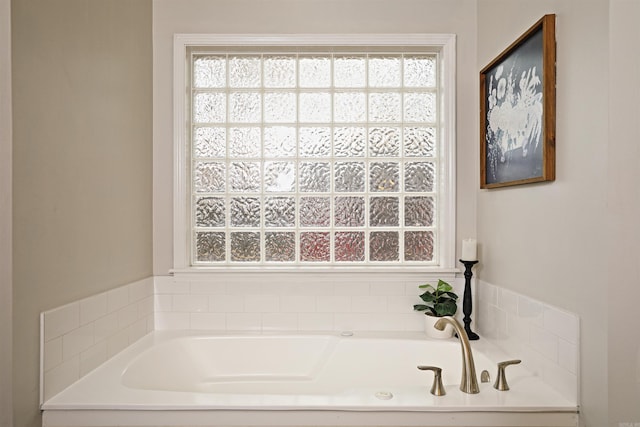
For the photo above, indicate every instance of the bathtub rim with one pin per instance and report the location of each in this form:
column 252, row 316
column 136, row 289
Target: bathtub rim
column 234, row 418
column 121, row 360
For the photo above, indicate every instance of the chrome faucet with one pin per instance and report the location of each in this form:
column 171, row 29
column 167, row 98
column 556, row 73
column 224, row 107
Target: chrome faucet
column 469, row 381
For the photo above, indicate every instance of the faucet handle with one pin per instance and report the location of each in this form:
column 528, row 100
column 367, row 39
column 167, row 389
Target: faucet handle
column 437, row 389
column 501, row 379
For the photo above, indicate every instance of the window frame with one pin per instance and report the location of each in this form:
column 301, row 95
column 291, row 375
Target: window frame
column 442, row 44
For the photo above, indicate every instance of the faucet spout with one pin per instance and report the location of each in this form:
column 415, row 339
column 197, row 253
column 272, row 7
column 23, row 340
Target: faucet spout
column 469, row 381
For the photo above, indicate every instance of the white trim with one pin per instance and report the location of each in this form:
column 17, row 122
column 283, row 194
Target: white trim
column 425, row 273
column 446, row 43
column 448, row 127
column 180, row 231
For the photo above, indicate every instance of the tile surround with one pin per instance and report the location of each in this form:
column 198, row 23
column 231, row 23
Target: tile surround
column 292, row 302
column 78, row 337
column 546, row 338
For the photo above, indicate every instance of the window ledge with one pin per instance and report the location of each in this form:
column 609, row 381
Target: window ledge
column 377, row 270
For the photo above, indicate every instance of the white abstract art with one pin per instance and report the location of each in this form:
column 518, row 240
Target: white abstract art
column 514, row 114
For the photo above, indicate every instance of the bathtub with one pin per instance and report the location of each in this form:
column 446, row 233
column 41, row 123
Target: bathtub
column 173, row 378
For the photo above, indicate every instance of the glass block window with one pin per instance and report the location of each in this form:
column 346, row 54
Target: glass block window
column 314, row 159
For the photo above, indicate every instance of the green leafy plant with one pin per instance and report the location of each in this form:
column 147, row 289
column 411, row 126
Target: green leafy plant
column 439, row 301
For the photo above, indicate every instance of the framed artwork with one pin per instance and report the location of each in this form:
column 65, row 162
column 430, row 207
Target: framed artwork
column 518, row 109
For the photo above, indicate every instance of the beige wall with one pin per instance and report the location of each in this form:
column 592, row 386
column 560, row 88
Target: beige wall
column 5, row 215
column 82, row 162
column 309, row 16
column 552, row 241
column 623, row 210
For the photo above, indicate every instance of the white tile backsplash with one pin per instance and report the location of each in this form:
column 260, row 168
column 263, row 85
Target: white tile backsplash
column 208, row 321
column 280, row 321
column 545, row 337
column 60, row 321
column 261, row 303
column 530, row 310
column 257, row 302
column 315, row 322
column 117, row 298
column 244, row 322
column 564, row 324
column 226, row 303
column 52, row 353
column 93, row 357
column 172, row 321
column 333, row 304
column 78, row 337
column 190, row 303
column 77, row 341
column 61, row 376
column 93, row 308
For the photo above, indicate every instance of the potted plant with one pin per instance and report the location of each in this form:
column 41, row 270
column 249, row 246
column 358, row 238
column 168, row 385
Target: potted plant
column 439, row 301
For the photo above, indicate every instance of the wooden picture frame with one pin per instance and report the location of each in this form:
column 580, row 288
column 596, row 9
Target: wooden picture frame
column 518, row 110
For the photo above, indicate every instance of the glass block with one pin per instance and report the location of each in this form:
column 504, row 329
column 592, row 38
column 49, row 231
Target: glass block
column 210, row 212
column 245, row 246
column 245, row 107
column 280, row 107
column 279, row 212
column 244, row 176
column 315, row 107
column 419, row 141
column 245, row 212
column 209, row 107
column 315, row 211
column 209, row 142
column 419, row 107
column 384, row 107
column 209, row 71
column 315, row 177
column 349, row 212
column 245, row 142
column 384, row 71
column 279, row 71
column 384, row 141
column 280, row 247
column 384, row 246
column 315, row 71
column 349, row 177
column 209, row 177
column 244, row 71
column 384, row 176
column 315, row 246
column 349, row 141
column 210, row 246
column 349, row 71
column 349, row 246
column 279, row 141
column 349, row 107
column 418, row 245
column 384, row 212
column 315, row 141
column 419, row 71
column 419, row 177
column 418, row 211
column 279, row 176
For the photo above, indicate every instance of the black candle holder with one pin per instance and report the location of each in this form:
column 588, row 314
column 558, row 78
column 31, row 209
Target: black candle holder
column 467, row 304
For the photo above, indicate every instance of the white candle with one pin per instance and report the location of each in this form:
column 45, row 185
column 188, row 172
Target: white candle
column 469, row 250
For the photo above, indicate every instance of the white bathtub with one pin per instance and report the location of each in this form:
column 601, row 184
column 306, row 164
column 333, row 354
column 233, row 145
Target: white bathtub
column 182, row 378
